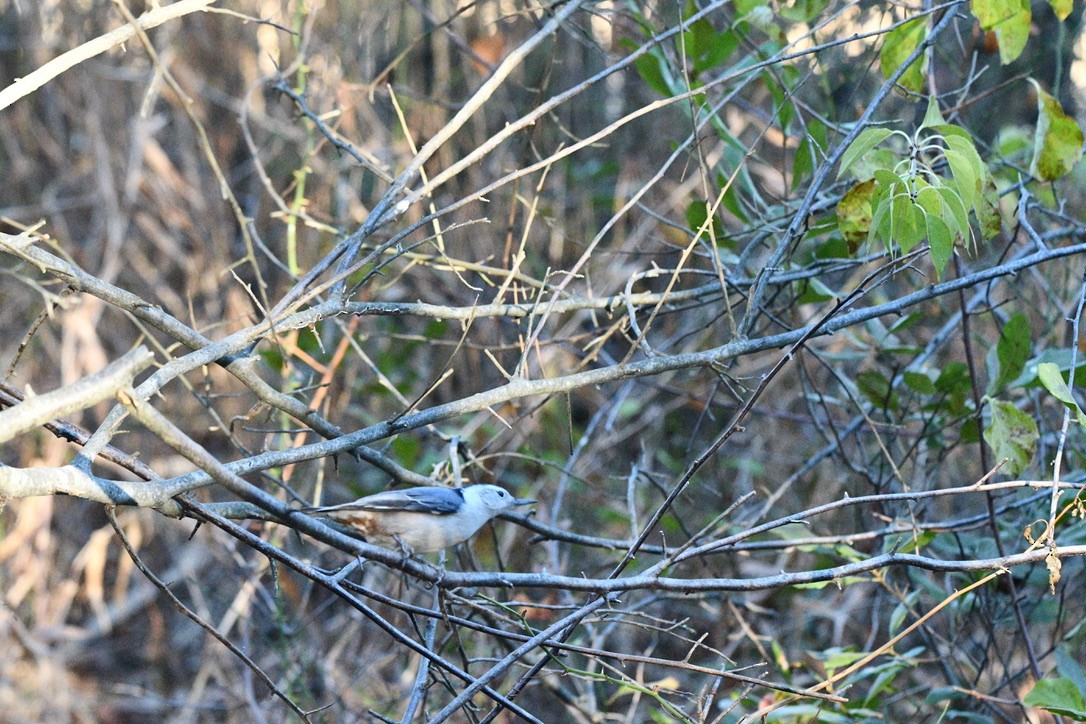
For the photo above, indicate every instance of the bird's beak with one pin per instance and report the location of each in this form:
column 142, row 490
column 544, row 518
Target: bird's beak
column 522, row 501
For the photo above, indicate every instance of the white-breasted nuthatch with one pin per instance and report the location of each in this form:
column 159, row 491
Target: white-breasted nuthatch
column 423, row 519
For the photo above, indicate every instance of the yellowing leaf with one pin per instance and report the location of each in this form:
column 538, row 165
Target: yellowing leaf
column 987, row 209
column 1057, row 143
column 1010, row 19
column 898, row 46
column 1062, row 8
column 1053, row 564
column 854, row 214
column 1012, row 434
column 669, row 683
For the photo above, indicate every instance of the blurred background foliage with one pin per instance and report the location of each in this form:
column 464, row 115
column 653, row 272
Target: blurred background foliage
column 106, row 156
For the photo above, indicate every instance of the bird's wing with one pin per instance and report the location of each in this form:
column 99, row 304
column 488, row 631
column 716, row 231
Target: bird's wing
column 434, row 500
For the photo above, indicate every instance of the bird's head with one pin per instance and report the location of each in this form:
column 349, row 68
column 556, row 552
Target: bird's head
column 492, row 498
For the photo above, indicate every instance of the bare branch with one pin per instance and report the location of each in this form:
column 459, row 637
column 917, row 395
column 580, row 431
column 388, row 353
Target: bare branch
column 37, row 410
column 115, row 38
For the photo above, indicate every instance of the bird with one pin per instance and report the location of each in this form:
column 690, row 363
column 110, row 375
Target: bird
column 423, row 519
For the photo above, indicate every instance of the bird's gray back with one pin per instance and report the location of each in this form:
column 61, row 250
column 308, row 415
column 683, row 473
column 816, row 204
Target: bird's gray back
column 433, row 500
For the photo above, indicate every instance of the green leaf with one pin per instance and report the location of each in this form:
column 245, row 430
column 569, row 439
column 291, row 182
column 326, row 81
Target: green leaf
column 1059, row 696
column 1068, row 667
column 916, row 543
column 945, row 693
column 836, row 658
column 731, row 198
column 854, row 214
column 964, row 143
column 1044, row 193
column 1012, row 351
column 833, row 248
column 810, row 152
column 1013, row 142
column 954, row 379
column 928, row 198
column 932, row 117
column 758, row 14
column 887, row 181
column 817, row 585
column 436, row 329
column 272, row 357
column 907, row 542
column 964, row 177
column 897, row 617
column 906, row 322
column 876, row 388
column 956, row 208
column 408, row 450
column 781, row 83
column 949, row 129
column 697, row 214
column 941, row 241
column 877, row 159
column 888, row 188
column 908, row 223
column 969, row 432
column 1050, row 376
column 880, row 224
column 964, row 148
column 801, row 11
column 722, row 47
column 1057, row 144
column 898, row 46
column 1010, row 19
column 649, row 68
column 813, row 291
column 1059, row 356
column 919, row 382
column 867, row 140
column 1011, row 434
column 932, row 201
column 742, row 7
column 881, row 685
column 704, row 45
